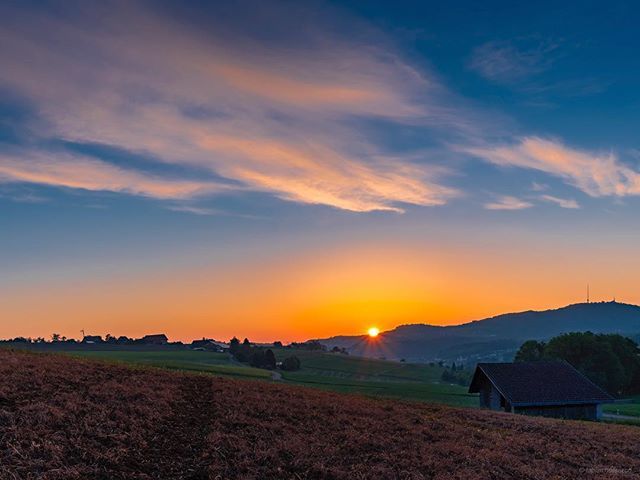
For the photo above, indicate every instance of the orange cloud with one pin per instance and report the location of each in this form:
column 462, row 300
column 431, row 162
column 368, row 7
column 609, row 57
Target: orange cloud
column 271, row 118
column 596, row 174
column 506, row 202
column 71, row 171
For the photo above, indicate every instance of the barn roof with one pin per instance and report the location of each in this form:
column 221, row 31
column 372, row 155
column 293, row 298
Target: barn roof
column 539, row 383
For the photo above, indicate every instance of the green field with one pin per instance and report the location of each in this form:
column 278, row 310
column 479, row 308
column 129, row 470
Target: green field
column 629, row 409
column 327, row 371
column 189, row 360
column 342, row 373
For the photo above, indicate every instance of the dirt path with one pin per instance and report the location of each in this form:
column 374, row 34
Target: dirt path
column 276, row 376
column 615, row 416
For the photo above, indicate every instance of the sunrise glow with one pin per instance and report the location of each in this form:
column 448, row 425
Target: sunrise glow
column 373, row 332
column 292, row 188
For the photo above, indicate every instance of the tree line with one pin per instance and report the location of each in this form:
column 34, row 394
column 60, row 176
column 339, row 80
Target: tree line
column 610, row 361
column 261, row 357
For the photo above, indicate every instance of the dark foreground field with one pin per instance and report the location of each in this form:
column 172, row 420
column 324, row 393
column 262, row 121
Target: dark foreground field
column 63, row 418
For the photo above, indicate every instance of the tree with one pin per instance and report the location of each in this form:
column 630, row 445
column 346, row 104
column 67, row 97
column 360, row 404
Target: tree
column 269, row 359
column 610, row 361
column 257, row 359
column 234, row 345
column 593, row 356
column 277, row 344
column 628, row 353
column 55, row 337
column 290, row 364
column 530, row 351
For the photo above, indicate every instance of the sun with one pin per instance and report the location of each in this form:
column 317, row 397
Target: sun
column 373, row 332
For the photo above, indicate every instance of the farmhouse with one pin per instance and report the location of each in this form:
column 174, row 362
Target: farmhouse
column 160, row 339
column 550, row 389
column 92, row 339
column 208, row 344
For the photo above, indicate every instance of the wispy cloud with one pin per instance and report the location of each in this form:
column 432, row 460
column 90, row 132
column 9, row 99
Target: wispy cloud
column 20, row 195
column 192, row 209
column 521, row 64
column 561, row 202
column 507, row 62
column 596, row 174
column 80, row 172
column 275, row 118
column 539, row 187
column 507, row 202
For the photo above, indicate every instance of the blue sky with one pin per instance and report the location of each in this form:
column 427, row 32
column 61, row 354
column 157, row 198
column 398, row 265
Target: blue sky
column 137, row 136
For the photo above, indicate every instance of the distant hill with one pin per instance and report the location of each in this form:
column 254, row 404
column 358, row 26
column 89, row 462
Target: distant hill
column 495, row 338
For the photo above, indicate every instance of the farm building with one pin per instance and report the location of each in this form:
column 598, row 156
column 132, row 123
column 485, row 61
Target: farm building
column 208, row 344
column 550, row 389
column 92, row 339
column 160, row 339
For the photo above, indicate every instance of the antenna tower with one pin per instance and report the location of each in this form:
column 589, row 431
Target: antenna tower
column 588, row 293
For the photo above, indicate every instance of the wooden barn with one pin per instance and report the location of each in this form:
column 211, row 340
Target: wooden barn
column 550, row 389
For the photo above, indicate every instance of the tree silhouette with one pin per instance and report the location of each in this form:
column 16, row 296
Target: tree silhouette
column 290, row 364
column 269, row 359
column 234, row 345
column 530, row 351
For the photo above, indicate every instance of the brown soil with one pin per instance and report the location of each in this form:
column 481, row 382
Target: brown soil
column 62, row 418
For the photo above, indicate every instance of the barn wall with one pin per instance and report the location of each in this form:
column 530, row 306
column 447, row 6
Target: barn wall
column 489, row 395
column 495, row 398
column 576, row 412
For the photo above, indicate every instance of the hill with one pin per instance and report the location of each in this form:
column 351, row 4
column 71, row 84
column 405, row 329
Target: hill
column 495, row 338
column 65, row 418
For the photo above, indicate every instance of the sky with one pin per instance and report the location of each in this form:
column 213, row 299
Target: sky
column 294, row 170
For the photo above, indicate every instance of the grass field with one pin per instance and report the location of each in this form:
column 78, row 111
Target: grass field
column 629, row 409
column 65, row 418
column 188, row 360
column 348, row 374
column 326, row 371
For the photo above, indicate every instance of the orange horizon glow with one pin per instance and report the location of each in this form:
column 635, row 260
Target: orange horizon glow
column 373, row 332
column 314, row 294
